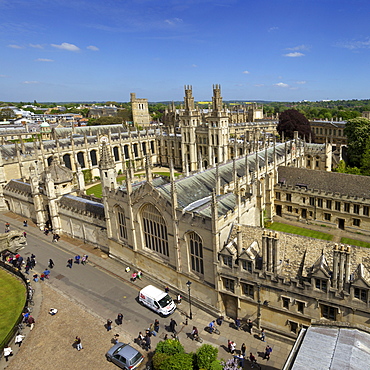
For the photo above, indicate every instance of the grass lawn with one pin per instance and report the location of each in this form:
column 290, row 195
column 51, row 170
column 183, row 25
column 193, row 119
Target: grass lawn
column 96, row 190
column 359, row 243
column 12, row 299
column 299, row 231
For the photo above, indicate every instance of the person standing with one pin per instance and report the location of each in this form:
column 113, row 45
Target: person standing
column 77, row 259
column 166, row 289
column 243, row 349
column 147, row 342
column 119, row 319
column 78, row 343
column 31, row 322
column 51, row 263
column 70, row 263
column 232, row 347
column 8, row 352
column 268, row 351
column 220, row 320
column 250, row 326
column 109, row 325
column 19, row 339
column 156, row 325
column 115, row 338
column 252, row 359
column 238, row 323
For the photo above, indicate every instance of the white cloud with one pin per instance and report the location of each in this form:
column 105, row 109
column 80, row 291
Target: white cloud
column 36, row 46
column 194, row 66
column 294, row 55
column 300, row 82
column 271, row 29
column 281, row 84
column 93, row 48
column 15, row 46
column 44, row 60
column 66, row 46
column 299, row 47
column 30, row 82
column 259, row 85
column 246, row 72
column 173, row 22
column 355, row 44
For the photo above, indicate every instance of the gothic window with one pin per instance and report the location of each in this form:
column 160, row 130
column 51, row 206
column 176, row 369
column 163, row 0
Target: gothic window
column 155, row 230
column 126, row 151
column 312, row 201
column 361, row 294
column 319, row 202
column 116, row 153
column 50, row 160
column 67, row 161
column 136, row 151
column 329, row 312
column 152, row 147
column 356, row 209
column 229, row 285
column 143, row 146
column 248, row 290
column 300, row 307
column 346, row 207
column 94, row 160
column 122, row 228
column 196, row 253
column 337, row 206
column 81, row 159
column 328, row 204
column 286, row 302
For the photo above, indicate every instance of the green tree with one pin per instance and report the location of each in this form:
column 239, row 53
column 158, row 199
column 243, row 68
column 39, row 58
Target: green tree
column 6, row 113
column 179, row 361
column 365, row 160
column 357, row 131
column 205, row 356
column 169, row 347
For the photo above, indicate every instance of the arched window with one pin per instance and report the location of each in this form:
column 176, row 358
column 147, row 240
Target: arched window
column 155, row 230
column 126, row 151
column 116, row 153
column 121, row 220
column 81, row 159
column 94, row 160
column 196, row 253
column 50, row 160
column 67, row 161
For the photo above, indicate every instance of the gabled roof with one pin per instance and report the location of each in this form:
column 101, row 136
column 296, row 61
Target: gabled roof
column 361, row 275
column 321, row 265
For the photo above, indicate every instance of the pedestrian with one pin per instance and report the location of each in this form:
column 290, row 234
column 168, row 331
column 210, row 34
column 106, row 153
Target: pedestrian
column 238, row 323
column 47, row 273
column 232, row 347
column 8, row 352
column 7, row 227
column 53, row 311
column 19, row 339
column 25, row 234
column 139, row 274
column 179, row 299
column 35, row 278
column 70, row 263
column 115, row 338
column 140, row 339
column 268, row 351
column 147, row 342
column 55, row 238
column 166, row 289
column 252, row 359
column 78, row 343
column 220, row 320
column 134, row 276
column 119, row 319
column 156, row 325
column 229, row 345
column 109, row 325
column 25, row 224
column 243, row 349
column 165, row 337
column 77, row 259
column 263, row 335
column 31, row 322
column 51, row 263
column 27, row 269
column 250, row 326
column 173, row 324
column 83, row 259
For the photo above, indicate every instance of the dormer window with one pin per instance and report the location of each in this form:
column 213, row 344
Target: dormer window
column 247, row 265
column 360, row 294
column 321, row 284
column 228, row 261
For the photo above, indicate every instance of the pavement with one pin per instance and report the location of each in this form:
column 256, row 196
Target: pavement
column 49, row 344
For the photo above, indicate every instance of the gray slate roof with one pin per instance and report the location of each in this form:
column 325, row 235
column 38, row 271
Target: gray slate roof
column 81, row 204
column 341, row 183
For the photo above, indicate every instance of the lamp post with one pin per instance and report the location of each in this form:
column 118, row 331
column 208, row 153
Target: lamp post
column 188, row 284
column 259, row 306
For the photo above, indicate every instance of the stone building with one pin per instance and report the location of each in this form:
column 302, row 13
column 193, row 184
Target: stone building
column 140, row 111
column 207, row 226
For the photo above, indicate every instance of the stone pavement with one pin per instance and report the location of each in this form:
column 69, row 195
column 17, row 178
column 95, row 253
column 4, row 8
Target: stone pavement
column 49, row 345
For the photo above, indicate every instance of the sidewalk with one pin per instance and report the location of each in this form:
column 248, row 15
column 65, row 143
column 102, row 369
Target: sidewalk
column 86, row 325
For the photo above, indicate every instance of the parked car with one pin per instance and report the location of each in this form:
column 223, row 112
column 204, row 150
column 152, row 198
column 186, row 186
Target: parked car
column 124, row 356
column 157, row 300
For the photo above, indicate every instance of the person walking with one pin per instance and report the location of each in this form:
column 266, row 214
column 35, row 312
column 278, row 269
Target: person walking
column 238, row 323
column 250, row 326
column 263, row 335
column 19, row 339
column 220, row 320
column 252, row 359
column 31, row 322
column 232, row 347
column 51, row 263
column 115, row 338
column 8, row 352
column 268, row 351
column 166, row 289
column 77, row 259
column 25, row 223
column 243, row 349
column 70, row 263
column 173, row 324
column 119, row 319
column 109, row 325
column 78, row 343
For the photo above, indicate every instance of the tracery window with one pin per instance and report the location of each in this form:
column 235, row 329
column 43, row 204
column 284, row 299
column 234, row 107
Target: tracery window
column 196, row 253
column 122, row 228
column 155, row 230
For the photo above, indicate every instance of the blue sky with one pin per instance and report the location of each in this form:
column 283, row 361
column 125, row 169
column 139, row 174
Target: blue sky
column 90, row 50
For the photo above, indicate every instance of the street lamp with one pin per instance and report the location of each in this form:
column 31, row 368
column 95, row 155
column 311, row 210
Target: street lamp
column 188, row 284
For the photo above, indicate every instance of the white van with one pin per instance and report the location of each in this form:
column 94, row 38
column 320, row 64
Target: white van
column 157, row 300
